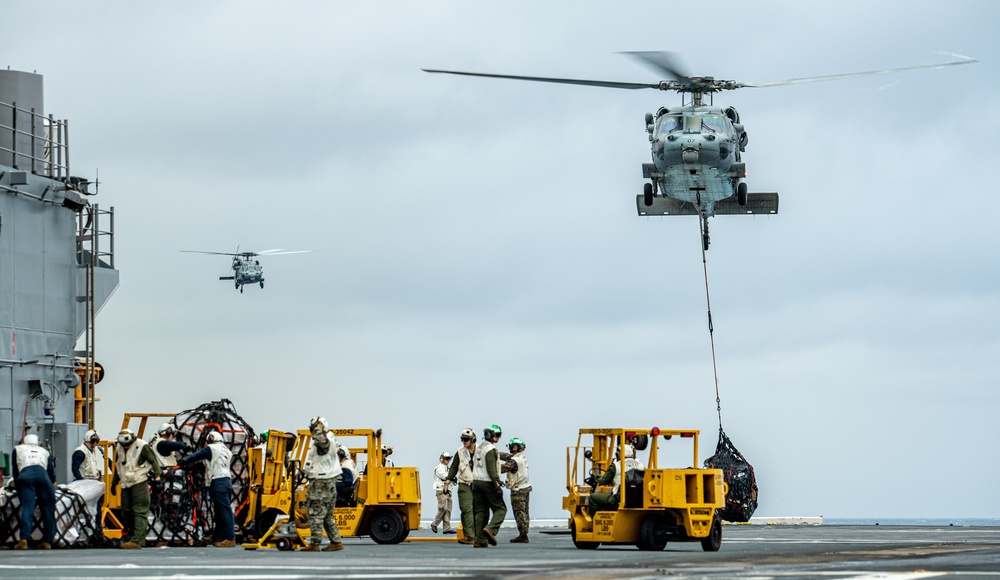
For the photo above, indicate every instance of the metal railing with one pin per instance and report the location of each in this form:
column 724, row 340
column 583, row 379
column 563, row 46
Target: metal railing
column 45, row 138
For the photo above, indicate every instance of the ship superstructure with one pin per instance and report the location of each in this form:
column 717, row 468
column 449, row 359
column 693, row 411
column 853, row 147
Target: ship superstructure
column 56, row 271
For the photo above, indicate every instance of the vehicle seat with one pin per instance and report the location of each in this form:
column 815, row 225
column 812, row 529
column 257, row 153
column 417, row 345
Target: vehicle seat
column 633, row 487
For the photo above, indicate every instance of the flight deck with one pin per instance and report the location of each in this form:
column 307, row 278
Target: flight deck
column 748, row 551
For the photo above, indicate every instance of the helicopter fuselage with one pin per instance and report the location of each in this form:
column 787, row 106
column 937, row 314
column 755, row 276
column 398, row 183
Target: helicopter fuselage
column 247, row 272
column 696, row 152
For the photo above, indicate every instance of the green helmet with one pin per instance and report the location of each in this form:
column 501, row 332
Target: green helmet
column 515, row 442
column 492, row 431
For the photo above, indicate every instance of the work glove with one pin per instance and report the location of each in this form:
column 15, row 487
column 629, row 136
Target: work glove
column 499, row 492
column 591, row 482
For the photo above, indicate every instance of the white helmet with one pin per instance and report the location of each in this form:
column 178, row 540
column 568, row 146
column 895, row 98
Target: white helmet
column 214, row 437
column 468, row 435
column 166, row 429
column 446, row 455
column 91, row 436
column 31, row 439
column 319, row 421
column 386, row 450
column 126, row 437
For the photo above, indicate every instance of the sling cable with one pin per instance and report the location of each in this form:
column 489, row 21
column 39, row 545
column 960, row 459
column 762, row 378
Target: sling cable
column 741, row 499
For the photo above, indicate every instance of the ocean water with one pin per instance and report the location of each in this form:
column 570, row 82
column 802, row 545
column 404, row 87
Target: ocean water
column 828, row 521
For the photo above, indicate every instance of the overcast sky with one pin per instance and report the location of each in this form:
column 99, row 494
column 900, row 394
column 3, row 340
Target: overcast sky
column 478, row 257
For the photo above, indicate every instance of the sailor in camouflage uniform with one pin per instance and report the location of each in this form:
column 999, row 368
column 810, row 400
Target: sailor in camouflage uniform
column 322, row 467
column 516, row 468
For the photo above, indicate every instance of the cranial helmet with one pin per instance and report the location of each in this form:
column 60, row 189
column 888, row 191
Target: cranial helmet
column 629, row 451
column 126, row 437
column 468, row 435
column 166, row 429
column 31, row 439
column 386, row 450
column 91, row 436
column 492, row 431
column 341, row 452
column 515, row 445
column 214, row 437
column 446, row 455
column 321, row 421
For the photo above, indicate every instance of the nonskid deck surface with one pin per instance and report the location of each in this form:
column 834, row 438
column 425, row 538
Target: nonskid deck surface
column 890, row 552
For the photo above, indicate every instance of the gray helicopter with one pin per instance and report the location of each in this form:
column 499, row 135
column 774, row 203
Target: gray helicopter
column 246, row 267
column 697, row 148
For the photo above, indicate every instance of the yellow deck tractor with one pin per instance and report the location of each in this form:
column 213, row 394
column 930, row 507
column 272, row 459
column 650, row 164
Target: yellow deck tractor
column 384, row 503
column 645, row 505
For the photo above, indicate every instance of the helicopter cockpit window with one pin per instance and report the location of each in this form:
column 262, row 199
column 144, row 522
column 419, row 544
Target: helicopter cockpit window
column 714, row 123
column 669, row 124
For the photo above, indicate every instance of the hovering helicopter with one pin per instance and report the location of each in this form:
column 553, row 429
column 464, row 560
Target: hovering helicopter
column 697, row 148
column 246, row 267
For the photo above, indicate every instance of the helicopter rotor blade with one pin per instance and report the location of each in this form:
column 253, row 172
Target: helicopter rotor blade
column 662, row 62
column 606, row 84
column 213, row 253
column 282, row 252
column 965, row 60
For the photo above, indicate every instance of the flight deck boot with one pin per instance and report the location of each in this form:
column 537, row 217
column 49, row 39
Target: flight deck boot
column 522, row 539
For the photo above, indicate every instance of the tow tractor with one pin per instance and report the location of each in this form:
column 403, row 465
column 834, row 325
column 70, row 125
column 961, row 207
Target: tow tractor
column 653, row 505
column 385, row 503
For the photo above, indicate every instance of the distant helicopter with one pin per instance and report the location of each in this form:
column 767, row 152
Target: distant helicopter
column 697, row 148
column 246, row 266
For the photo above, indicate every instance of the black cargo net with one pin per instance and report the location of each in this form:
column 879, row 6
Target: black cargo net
column 193, row 427
column 76, row 526
column 180, row 510
column 741, row 501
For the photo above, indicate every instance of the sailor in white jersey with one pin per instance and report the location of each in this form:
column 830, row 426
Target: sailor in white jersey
column 219, row 473
column 85, row 462
column 34, row 476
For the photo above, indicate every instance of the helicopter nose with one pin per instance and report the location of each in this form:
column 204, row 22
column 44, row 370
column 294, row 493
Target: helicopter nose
column 690, row 155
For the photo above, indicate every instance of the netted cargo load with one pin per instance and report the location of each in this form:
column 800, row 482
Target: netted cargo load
column 76, row 525
column 193, row 426
column 741, row 500
column 178, row 504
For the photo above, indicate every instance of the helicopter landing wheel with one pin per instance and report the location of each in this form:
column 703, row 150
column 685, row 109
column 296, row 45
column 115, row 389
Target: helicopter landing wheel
column 741, row 194
column 241, row 289
column 647, row 194
column 261, row 283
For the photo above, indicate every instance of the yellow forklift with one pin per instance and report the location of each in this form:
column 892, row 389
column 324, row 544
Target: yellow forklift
column 385, row 503
column 651, row 505
column 111, row 509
